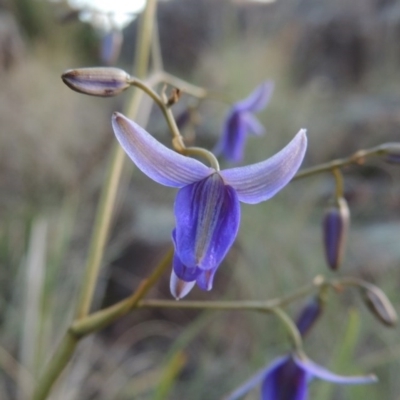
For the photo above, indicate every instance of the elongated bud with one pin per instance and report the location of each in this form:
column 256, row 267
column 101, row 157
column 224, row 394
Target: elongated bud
column 335, row 227
column 391, row 152
column 97, row 81
column 309, row 315
column 378, row 303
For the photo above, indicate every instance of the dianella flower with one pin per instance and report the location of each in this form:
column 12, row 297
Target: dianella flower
column 207, row 211
column 240, row 121
column 287, row 378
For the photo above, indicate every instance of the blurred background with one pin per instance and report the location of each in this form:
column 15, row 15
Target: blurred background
column 336, row 68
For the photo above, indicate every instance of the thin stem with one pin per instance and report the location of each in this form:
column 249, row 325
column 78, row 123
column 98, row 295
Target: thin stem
column 249, row 305
column 177, row 140
column 100, row 319
column 291, row 327
column 339, row 192
column 355, row 158
column 103, row 219
column 100, row 232
column 56, row 365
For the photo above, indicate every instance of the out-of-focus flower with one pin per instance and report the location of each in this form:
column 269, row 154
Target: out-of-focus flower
column 240, row 121
column 207, row 210
column 110, row 48
column 335, row 227
column 287, row 378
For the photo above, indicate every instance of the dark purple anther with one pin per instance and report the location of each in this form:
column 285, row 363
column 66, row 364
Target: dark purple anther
column 335, row 227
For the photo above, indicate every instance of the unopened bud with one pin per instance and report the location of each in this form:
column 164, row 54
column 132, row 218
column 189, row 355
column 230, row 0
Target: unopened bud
column 309, row 315
column 97, row 81
column 335, row 227
column 378, row 303
column 391, row 152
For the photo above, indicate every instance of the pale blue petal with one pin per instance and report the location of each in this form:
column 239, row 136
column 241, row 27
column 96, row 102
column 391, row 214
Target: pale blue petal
column 259, row 182
column 252, row 124
column 315, row 370
column 178, row 287
column 258, row 98
column 158, row 162
column 207, row 217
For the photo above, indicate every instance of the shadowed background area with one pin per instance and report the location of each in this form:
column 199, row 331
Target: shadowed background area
column 336, row 68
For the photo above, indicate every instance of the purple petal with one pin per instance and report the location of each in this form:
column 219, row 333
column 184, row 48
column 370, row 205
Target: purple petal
column 252, row 124
column 178, row 287
column 111, row 47
column 258, row 98
column 259, row 182
column 285, row 382
column 207, row 217
column 232, row 141
column 159, row 163
column 184, row 273
column 315, row 370
column 205, row 279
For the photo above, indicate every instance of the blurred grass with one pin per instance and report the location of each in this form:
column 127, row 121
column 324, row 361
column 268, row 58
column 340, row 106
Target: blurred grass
column 49, row 135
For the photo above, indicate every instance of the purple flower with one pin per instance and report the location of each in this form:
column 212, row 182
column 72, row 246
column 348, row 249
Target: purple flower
column 207, row 210
column 240, row 121
column 287, row 378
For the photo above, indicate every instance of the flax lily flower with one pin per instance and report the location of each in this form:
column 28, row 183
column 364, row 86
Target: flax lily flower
column 287, row 378
column 207, row 210
column 240, row 121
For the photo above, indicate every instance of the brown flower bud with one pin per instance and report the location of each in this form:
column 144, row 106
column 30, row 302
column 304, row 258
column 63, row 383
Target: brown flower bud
column 97, row 81
column 335, row 227
column 378, row 303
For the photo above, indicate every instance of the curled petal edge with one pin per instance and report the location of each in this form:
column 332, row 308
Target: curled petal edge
column 158, row 162
column 259, row 182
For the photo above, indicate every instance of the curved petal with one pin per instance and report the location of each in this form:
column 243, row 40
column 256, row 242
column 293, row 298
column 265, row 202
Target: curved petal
column 258, row 98
column 205, row 279
column 207, row 217
column 252, row 124
column 178, row 287
column 259, row 182
column 286, row 381
column 315, row 370
column 158, row 162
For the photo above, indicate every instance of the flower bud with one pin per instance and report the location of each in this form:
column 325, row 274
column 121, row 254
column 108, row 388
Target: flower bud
column 391, row 152
column 378, row 303
column 97, row 81
column 309, row 315
column 335, row 227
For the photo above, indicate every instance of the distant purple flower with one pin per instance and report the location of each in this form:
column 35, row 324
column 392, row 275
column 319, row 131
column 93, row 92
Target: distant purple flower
column 240, row 121
column 287, row 378
column 207, row 210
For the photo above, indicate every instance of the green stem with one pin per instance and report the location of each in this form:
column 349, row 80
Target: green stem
column 100, row 319
column 56, row 365
column 177, row 140
column 355, row 158
column 291, row 327
column 103, row 219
